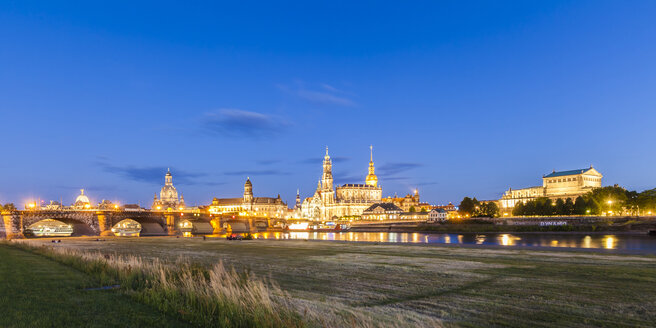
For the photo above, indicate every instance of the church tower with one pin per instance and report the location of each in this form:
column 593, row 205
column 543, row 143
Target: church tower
column 298, row 199
column 248, row 191
column 372, row 179
column 327, row 177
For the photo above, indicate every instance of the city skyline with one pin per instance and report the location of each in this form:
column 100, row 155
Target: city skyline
column 457, row 99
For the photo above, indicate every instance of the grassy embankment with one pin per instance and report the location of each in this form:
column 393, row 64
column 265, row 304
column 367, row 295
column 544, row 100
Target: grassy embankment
column 39, row 292
column 204, row 296
column 410, row 285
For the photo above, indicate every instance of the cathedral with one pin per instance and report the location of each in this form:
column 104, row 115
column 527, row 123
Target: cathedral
column 168, row 196
column 347, row 200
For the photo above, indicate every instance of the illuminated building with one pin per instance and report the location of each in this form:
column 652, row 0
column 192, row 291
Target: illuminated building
column 168, row 196
column 562, row 184
column 348, row 200
column 249, row 205
column 382, row 212
column 82, row 201
column 408, row 202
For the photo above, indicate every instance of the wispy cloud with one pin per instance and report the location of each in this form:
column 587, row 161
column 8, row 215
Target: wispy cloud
column 257, row 172
column 155, row 174
column 396, row 178
column 343, row 177
column 319, row 160
column 325, row 95
column 390, row 169
column 267, row 161
column 241, row 123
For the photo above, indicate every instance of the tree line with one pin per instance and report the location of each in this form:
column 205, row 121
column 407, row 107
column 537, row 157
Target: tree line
column 613, row 200
column 474, row 208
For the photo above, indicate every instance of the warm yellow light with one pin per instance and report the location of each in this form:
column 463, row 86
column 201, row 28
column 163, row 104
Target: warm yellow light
column 87, row 206
column 180, row 208
column 116, row 206
column 159, row 207
column 610, row 202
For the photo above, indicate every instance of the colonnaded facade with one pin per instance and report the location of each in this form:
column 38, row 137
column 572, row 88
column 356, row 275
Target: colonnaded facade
column 248, row 205
column 347, row 200
column 562, row 184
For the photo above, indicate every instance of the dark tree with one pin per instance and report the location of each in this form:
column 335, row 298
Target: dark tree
column 569, row 207
column 580, row 206
column 518, row 210
column 467, row 206
column 559, row 208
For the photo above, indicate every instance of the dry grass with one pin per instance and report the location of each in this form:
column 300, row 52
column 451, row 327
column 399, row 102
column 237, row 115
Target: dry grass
column 214, row 297
column 352, row 284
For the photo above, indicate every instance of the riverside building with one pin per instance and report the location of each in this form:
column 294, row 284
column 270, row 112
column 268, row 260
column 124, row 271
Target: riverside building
column 347, row 200
column 168, row 196
column 248, row 205
column 561, row 184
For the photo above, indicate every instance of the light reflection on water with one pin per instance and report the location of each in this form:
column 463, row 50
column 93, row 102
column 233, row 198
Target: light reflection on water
column 593, row 241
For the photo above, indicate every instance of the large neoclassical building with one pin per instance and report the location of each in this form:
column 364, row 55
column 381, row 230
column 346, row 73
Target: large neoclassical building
column 562, row 184
column 347, row 200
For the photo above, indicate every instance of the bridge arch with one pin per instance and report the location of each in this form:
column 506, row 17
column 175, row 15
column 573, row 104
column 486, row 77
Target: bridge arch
column 149, row 225
column 57, row 227
column 127, row 228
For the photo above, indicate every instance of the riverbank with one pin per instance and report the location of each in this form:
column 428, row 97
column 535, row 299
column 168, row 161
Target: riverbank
column 463, row 227
column 412, row 285
column 39, row 292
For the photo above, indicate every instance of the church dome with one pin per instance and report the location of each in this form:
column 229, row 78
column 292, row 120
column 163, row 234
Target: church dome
column 82, row 198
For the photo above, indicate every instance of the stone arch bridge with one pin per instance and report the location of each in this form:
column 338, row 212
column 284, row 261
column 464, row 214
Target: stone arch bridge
column 100, row 222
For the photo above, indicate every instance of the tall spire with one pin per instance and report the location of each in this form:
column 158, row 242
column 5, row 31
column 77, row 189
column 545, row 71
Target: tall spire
column 372, row 179
column 371, row 149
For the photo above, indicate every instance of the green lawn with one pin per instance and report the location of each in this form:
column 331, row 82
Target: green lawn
column 38, row 292
column 412, row 285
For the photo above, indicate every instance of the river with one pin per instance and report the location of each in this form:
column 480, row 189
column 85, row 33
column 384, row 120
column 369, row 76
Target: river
column 626, row 242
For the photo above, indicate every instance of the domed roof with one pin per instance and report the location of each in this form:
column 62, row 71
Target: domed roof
column 248, row 182
column 82, row 198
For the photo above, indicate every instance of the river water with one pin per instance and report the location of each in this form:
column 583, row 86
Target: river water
column 628, row 242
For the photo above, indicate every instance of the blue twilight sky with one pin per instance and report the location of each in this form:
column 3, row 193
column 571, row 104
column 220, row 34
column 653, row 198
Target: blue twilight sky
column 457, row 97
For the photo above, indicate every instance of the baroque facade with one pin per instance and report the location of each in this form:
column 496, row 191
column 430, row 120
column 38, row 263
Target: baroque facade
column 562, row 184
column 409, row 202
column 348, row 200
column 248, row 205
column 168, row 196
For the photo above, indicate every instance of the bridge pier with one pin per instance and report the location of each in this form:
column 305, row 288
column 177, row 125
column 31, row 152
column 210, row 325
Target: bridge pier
column 104, row 224
column 171, row 228
column 13, row 222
